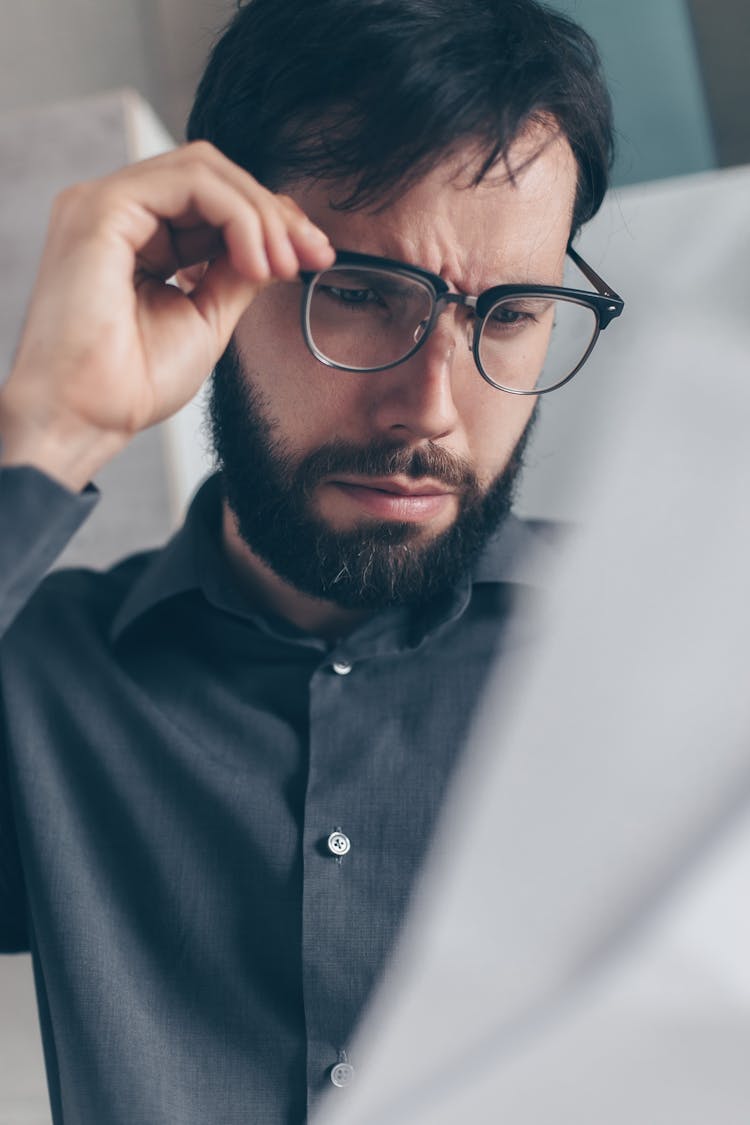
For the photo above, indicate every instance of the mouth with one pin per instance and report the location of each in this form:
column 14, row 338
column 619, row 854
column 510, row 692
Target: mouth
column 395, row 498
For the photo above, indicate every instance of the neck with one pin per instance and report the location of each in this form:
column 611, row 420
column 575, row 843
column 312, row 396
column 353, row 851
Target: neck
column 265, row 590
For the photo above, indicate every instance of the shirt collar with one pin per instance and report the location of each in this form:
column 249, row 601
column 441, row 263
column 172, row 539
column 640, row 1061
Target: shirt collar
column 175, row 568
column 520, row 552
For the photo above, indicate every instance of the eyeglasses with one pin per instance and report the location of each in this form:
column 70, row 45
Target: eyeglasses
column 367, row 314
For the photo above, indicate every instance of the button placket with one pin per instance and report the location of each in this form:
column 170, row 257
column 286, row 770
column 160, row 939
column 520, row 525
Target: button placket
column 332, row 879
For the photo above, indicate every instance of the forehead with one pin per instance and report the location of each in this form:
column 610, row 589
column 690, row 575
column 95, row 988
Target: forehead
column 506, row 228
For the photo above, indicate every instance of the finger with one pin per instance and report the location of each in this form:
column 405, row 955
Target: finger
column 309, row 240
column 155, row 205
column 305, row 236
column 282, row 255
column 196, row 244
column 172, row 249
column 290, row 204
column 221, row 297
column 285, row 253
column 310, row 245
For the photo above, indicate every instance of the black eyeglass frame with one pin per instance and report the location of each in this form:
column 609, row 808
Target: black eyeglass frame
column 604, row 303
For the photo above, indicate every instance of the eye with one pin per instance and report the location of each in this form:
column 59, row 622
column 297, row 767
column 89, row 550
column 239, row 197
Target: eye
column 516, row 315
column 352, row 297
column 507, row 315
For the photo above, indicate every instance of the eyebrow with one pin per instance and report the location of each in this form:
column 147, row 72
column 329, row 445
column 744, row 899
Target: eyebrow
column 510, row 278
column 358, row 275
column 514, row 280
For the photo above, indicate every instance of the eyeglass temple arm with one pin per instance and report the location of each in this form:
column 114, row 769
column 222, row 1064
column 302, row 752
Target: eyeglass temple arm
column 591, row 275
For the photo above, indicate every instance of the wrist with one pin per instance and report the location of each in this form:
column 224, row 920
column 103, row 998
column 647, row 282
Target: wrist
column 65, row 448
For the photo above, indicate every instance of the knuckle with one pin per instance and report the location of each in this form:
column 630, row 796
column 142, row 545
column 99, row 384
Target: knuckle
column 265, row 209
column 276, row 216
column 71, row 198
column 199, row 178
column 205, row 175
column 101, row 202
column 200, row 150
column 79, row 208
column 253, row 221
column 290, row 206
column 198, row 173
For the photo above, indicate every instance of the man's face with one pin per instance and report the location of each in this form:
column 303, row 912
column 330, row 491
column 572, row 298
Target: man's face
column 373, row 489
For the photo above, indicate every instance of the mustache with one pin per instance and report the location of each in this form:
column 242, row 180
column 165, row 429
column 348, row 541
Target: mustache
column 379, row 460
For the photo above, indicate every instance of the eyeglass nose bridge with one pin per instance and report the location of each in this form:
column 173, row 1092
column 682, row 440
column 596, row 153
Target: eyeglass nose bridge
column 425, row 327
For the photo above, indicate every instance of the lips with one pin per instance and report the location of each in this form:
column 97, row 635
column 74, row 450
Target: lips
column 391, row 498
column 396, row 487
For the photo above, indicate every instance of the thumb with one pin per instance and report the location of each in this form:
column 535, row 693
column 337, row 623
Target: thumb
column 221, row 297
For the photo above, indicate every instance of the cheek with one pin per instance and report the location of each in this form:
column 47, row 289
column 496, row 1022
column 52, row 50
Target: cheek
column 493, row 422
column 324, row 406
column 310, row 400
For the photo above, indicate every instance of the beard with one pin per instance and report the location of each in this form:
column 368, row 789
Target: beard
column 270, row 491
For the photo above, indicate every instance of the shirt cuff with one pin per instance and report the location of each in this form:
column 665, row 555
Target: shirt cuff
column 38, row 517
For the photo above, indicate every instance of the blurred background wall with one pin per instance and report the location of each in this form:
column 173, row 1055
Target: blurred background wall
column 678, row 68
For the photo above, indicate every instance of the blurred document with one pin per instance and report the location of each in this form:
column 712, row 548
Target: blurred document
column 579, row 950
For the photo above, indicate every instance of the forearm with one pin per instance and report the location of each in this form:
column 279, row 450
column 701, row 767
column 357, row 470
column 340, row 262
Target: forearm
column 61, row 448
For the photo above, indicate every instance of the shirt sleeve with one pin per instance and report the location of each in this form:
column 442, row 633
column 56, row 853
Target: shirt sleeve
column 38, row 517
column 13, row 932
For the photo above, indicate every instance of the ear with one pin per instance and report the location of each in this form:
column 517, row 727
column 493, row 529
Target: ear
column 190, row 276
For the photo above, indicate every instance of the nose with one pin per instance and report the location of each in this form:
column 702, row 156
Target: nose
column 417, row 398
column 444, row 303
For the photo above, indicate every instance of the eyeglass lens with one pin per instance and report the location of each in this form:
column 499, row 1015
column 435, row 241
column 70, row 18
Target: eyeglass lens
column 361, row 319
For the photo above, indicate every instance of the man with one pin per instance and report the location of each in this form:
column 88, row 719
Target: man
column 223, row 760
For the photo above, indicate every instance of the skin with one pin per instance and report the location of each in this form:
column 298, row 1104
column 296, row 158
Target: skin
column 109, row 349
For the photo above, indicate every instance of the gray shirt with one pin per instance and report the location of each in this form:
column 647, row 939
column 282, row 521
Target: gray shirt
column 210, row 821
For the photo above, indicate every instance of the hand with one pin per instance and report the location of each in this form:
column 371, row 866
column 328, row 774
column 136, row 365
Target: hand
column 108, row 348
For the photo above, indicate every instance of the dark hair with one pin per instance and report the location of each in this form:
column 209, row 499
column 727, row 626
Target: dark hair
column 376, row 92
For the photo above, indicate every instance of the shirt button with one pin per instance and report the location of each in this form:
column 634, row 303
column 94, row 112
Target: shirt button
column 342, row 667
column 342, row 1074
column 338, row 843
